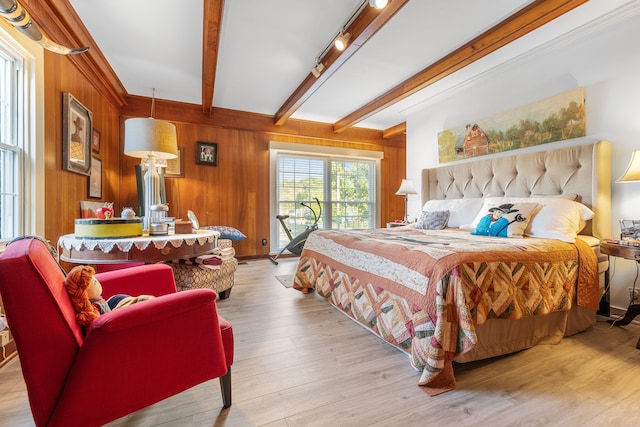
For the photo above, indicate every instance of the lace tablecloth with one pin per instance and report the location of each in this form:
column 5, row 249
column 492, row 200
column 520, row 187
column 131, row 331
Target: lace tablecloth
column 69, row 243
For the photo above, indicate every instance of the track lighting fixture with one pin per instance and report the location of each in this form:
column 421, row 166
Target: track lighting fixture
column 341, row 40
column 378, row 4
column 317, row 69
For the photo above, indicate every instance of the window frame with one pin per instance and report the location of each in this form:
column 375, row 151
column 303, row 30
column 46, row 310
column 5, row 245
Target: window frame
column 321, row 152
column 29, row 129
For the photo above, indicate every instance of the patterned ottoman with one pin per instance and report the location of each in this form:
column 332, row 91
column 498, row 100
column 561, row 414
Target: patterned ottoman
column 191, row 275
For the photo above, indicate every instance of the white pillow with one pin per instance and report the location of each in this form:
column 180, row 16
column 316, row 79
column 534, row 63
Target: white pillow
column 461, row 211
column 560, row 219
column 556, row 217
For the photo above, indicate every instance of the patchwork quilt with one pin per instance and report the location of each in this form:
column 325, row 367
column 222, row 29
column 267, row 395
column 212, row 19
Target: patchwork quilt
column 424, row 291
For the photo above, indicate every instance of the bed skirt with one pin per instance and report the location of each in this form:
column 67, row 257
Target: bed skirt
column 497, row 337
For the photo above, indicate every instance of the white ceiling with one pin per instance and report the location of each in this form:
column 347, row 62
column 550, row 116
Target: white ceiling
column 268, row 47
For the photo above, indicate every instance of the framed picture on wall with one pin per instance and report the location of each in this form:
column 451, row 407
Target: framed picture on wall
column 175, row 167
column 76, row 136
column 207, row 153
column 95, row 180
column 95, row 141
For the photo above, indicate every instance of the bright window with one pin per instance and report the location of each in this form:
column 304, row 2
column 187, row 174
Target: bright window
column 21, row 195
column 10, row 150
column 345, row 187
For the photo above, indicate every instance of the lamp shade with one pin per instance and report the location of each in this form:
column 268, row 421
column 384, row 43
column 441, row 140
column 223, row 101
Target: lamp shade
column 633, row 170
column 145, row 136
column 406, row 187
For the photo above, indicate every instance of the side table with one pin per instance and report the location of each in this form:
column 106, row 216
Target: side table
column 612, row 247
column 147, row 249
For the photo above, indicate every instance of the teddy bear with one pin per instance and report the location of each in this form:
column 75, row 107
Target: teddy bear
column 85, row 293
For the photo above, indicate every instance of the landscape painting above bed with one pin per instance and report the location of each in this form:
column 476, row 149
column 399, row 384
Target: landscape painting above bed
column 450, row 295
column 557, row 118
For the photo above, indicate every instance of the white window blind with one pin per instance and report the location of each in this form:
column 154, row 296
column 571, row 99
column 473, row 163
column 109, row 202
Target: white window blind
column 345, row 187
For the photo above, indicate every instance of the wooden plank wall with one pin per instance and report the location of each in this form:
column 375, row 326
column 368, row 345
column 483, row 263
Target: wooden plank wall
column 64, row 190
column 234, row 193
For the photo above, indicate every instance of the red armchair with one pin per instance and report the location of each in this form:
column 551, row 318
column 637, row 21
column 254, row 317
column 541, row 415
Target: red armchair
column 127, row 359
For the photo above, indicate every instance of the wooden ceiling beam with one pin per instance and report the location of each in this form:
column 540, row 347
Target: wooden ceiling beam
column 528, row 19
column 210, row 43
column 399, row 129
column 364, row 26
column 180, row 112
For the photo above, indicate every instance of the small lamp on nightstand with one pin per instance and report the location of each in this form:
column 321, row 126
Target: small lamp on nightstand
column 406, row 188
column 630, row 229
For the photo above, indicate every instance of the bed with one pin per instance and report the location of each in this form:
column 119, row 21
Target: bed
column 461, row 293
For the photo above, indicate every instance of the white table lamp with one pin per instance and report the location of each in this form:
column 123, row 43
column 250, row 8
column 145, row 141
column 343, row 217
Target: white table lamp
column 406, row 188
column 150, row 139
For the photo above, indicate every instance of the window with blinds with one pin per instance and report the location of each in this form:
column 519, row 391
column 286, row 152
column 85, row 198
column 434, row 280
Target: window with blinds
column 345, row 187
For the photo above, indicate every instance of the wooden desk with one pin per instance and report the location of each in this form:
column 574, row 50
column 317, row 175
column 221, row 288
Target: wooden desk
column 626, row 252
column 147, row 249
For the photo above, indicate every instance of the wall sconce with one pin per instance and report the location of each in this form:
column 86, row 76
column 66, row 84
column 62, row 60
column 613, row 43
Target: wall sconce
column 341, row 40
column 15, row 14
column 633, row 169
column 406, row 188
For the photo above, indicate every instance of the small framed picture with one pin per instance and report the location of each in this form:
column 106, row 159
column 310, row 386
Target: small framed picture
column 175, row 167
column 95, row 141
column 207, row 153
column 76, row 136
column 95, row 180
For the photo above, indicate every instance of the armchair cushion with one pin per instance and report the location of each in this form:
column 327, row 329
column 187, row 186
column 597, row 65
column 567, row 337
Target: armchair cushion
column 153, row 279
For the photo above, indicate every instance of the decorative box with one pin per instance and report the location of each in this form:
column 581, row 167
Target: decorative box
column 93, row 228
column 184, row 227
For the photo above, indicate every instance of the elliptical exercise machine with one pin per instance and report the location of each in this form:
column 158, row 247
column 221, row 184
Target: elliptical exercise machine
column 297, row 243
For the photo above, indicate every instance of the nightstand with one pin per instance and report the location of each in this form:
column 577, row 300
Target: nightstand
column 613, row 247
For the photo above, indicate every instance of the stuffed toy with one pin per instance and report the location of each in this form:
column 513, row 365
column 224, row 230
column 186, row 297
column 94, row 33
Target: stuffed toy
column 85, row 292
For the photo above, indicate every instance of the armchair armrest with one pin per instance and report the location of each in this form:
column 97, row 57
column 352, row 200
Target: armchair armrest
column 152, row 279
column 136, row 355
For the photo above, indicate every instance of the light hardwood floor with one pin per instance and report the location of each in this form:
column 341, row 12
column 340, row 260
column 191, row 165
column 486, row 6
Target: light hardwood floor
column 299, row 362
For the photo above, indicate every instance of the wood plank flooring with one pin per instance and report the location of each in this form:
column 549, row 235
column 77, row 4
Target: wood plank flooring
column 294, row 366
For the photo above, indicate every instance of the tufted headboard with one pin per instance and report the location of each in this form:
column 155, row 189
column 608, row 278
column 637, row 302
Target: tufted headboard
column 584, row 170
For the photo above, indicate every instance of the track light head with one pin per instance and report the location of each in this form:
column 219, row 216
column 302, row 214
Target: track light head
column 341, row 41
column 317, row 69
column 378, row 4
